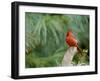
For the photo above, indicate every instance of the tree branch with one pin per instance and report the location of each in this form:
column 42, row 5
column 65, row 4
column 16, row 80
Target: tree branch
column 67, row 59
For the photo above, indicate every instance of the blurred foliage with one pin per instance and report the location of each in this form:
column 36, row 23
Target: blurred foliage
column 45, row 36
column 81, row 59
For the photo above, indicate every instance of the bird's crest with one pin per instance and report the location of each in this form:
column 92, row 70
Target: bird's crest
column 69, row 32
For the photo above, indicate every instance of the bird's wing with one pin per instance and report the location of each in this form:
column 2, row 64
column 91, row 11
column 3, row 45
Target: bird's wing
column 74, row 39
column 71, row 41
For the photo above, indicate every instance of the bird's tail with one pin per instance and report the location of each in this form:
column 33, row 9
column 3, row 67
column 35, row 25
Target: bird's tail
column 79, row 50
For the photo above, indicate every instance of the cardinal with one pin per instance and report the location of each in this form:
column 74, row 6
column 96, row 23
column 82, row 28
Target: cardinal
column 72, row 41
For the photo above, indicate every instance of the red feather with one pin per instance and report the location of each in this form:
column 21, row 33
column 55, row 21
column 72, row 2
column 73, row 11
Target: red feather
column 72, row 41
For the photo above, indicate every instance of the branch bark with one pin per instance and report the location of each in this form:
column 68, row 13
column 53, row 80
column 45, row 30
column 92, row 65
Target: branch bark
column 67, row 59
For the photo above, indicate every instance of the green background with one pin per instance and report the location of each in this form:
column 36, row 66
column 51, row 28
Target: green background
column 45, row 38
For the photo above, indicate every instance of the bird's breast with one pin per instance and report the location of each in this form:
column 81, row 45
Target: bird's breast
column 71, row 41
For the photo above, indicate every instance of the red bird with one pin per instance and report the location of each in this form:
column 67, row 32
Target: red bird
column 71, row 40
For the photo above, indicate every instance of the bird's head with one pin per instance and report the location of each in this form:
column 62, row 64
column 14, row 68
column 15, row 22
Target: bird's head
column 69, row 33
